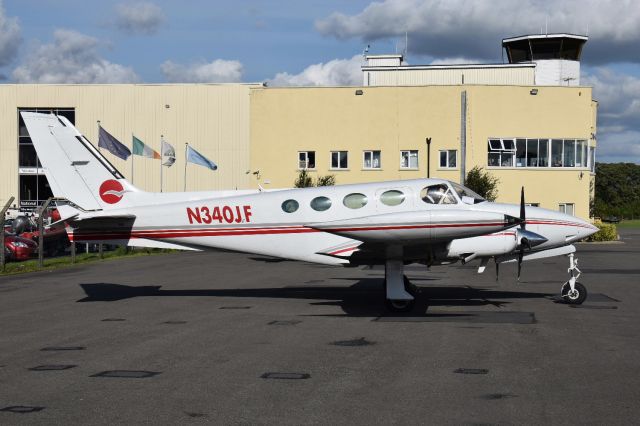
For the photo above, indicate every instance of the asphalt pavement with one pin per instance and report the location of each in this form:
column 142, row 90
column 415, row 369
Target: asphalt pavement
column 224, row 338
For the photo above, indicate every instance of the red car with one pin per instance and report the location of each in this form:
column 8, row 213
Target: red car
column 20, row 248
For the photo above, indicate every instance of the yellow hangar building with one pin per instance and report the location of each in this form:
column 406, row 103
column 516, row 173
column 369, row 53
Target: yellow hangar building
column 528, row 122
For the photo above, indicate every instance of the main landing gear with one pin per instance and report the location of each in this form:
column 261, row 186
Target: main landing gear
column 400, row 293
column 572, row 291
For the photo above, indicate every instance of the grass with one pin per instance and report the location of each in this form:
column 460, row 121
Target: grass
column 61, row 262
column 629, row 224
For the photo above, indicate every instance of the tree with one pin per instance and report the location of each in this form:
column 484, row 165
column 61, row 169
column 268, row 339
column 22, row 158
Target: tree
column 617, row 190
column 483, row 183
column 304, row 180
column 328, row 180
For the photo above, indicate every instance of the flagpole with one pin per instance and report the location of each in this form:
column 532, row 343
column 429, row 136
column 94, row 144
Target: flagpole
column 161, row 155
column 186, row 147
column 132, row 148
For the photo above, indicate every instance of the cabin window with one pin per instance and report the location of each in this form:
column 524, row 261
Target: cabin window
column 320, row 204
column 392, row 197
column 290, row 206
column 339, row 159
column 409, row 159
column 371, row 160
column 448, row 159
column 355, row 201
column 306, row 160
column 437, row 194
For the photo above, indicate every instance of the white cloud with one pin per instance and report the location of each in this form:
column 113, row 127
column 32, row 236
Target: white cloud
column 475, row 28
column 139, row 17
column 337, row 72
column 10, row 37
column 618, row 97
column 454, row 61
column 217, row 71
column 71, row 58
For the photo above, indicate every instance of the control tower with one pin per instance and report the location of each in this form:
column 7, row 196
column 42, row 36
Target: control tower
column 557, row 56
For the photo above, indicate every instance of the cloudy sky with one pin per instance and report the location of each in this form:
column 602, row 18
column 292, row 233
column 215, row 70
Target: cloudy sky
column 292, row 42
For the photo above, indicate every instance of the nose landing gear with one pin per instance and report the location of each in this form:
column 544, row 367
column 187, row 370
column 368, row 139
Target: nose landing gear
column 572, row 291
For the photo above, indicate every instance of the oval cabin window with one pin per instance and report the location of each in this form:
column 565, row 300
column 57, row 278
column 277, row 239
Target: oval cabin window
column 290, row 206
column 355, row 201
column 392, row 198
column 320, row 204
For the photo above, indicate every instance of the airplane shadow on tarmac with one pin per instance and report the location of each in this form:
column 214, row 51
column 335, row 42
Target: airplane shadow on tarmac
column 364, row 298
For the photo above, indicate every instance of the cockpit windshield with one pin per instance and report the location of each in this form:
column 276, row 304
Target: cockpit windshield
column 438, row 194
column 463, row 191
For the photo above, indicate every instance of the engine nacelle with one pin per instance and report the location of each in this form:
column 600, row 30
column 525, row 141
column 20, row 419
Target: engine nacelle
column 497, row 244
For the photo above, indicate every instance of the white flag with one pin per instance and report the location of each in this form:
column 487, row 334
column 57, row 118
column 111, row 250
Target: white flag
column 168, row 154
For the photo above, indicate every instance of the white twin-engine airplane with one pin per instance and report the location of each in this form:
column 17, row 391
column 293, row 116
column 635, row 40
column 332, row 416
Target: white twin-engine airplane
column 429, row 221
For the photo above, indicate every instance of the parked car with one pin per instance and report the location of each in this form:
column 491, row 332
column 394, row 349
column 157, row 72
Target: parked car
column 19, row 248
column 55, row 237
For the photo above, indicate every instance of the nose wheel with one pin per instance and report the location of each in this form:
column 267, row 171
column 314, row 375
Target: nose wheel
column 572, row 291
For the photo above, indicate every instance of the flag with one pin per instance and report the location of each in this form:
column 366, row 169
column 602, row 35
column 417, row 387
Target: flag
column 168, row 154
column 140, row 148
column 111, row 144
column 195, row 157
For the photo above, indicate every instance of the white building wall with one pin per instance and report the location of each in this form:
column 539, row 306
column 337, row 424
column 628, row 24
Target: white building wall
column 520, row 76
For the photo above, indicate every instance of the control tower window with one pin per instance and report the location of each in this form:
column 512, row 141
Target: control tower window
column 571, row 49
column 519, row 51
column 546, row 49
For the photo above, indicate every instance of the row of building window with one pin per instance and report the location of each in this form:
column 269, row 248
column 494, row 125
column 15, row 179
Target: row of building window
column 533, row 153
column 372, row 160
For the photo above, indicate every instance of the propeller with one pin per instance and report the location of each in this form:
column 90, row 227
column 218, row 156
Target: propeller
column 523, row 226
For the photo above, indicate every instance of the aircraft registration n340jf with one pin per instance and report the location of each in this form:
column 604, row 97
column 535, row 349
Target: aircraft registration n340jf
column 429, row 221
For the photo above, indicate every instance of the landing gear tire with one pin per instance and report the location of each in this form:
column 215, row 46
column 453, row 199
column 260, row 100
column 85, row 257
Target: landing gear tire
column 399, row 306
column 402, row 306
column 575, row 296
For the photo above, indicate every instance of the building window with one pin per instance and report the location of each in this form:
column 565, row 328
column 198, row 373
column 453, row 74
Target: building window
column 592, row 159
column 34, row 188
column 339, row 160
column 371, row 160
column 409, row 159
column 532, row 153
column 501, row 152
column 448, row 159
column 567, row 208
column 306, row 160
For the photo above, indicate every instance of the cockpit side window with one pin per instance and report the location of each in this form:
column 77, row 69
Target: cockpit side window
column 463, row 191
column 438, row 194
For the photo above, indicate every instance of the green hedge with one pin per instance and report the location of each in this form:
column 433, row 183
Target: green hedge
column 607, row 232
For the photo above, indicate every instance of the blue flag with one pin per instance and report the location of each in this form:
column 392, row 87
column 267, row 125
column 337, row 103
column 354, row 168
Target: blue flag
column 111, row 144
column 195, row 157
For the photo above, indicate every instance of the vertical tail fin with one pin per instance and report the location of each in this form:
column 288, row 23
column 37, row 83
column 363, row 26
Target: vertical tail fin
column 75, row 169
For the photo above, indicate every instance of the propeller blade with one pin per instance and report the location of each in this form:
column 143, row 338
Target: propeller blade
column 522, row 210
column 520, row 256
column 497, row 269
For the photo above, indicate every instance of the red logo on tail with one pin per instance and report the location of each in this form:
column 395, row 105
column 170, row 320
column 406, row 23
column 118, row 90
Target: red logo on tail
column 111, row 191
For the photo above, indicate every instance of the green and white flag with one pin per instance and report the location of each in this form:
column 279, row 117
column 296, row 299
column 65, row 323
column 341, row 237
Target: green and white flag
column 141, row 149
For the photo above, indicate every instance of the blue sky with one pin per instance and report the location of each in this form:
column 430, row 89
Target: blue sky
column 314, row 43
